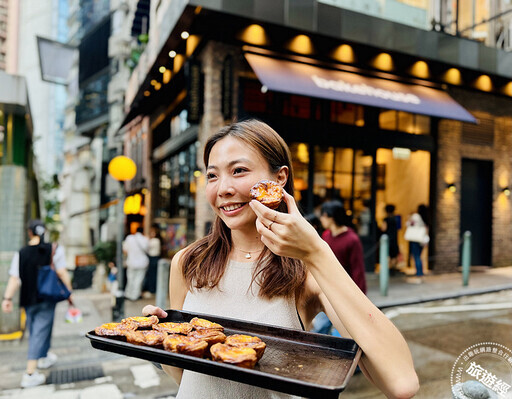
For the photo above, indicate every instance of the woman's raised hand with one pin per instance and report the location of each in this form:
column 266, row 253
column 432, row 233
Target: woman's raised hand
column 286, row 234
column 150, row 310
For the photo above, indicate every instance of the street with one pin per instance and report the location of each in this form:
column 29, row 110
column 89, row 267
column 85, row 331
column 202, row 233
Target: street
column 437, row 333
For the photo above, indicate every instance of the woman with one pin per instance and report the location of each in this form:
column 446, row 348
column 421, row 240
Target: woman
column 417, row 235
column 271, row 266
column 23, row 271
column 154, row 252
column 390, row 227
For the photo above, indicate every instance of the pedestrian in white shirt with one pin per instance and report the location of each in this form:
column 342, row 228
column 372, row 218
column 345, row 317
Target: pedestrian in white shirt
column 135, row 246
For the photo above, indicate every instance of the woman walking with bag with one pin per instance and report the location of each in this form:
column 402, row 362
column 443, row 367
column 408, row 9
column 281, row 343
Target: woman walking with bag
column 40, row 313
column 417, row 234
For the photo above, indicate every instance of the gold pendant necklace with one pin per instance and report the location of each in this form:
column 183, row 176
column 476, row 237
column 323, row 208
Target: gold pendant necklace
column 248, row 253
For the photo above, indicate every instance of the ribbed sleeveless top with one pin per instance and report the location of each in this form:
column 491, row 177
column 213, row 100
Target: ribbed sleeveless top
column 236, row 298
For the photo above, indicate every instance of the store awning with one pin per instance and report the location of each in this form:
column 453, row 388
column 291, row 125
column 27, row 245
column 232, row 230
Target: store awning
column 313, row 81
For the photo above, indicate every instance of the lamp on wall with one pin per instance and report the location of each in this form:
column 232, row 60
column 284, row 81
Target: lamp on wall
column 451, row 187
column 506, row 191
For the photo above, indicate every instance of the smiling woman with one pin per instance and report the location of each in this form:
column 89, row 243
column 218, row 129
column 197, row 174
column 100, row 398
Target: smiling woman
column 295, row 275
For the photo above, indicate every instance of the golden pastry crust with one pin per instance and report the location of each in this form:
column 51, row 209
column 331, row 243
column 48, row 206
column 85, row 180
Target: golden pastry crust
column 146, row 337
column 242, row 357
column 268, row 192
column 192, row 346
column 114, row 329
column 173, row 328
column 203, row 324
column 142, row 321
column 247, row 341
column 186, row 345
column 210, row 336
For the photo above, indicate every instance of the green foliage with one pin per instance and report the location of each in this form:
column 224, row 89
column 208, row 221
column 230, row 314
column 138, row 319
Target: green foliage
column 105, row 251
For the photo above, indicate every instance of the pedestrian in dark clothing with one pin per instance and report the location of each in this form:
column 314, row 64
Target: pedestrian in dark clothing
column 40, row 313
column 390, row 227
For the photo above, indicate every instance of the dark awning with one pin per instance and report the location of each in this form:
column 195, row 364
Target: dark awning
column 309, row 80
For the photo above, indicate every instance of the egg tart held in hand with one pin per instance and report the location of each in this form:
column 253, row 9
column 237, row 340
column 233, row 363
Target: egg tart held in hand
column 173, row 328
column 141, row 321
column 247, row 341
column 242, row 357
column 267, row 192
column 203, row 324
column 146, row 337
column 114, row 329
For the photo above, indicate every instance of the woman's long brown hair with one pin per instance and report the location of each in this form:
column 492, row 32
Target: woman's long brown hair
column 205, row 260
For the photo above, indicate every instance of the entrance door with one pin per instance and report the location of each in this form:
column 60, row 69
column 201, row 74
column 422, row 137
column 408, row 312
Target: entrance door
column 476, row 208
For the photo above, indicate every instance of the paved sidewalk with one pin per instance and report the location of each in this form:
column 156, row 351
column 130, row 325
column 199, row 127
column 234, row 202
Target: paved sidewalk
column 438, row 286
column 125, row 377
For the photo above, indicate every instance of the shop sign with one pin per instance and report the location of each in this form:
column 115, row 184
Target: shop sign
column 195, row 89
column 227, row 87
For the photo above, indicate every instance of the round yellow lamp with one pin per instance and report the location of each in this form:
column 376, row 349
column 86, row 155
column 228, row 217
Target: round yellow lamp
column 122, row 168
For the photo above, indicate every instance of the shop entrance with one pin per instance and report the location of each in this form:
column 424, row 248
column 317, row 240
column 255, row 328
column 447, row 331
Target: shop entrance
column 365, row 182
column 476, row 208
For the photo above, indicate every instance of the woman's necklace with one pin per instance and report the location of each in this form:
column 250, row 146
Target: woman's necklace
column 248, row 253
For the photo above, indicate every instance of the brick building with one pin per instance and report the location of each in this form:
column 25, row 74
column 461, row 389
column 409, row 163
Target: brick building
column 374, row 111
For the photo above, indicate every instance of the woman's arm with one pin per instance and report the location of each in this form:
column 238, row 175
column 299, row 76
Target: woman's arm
column 12, row 286
column 177, row 293
column 387, row 361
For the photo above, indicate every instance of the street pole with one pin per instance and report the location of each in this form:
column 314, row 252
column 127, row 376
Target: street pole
column 118, row 309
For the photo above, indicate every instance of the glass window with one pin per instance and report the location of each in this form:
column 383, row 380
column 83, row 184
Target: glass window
column 404, row 122
column 300, row 161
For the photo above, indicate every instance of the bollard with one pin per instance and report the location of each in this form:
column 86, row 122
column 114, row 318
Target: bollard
column 162, row 283
column 384, row 269
column 466, row 257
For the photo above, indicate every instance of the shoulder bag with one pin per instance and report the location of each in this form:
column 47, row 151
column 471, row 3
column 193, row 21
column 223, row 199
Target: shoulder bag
column 50, row 288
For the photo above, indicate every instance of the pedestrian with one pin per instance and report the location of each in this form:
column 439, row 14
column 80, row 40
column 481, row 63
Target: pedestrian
column 40, row 313
column 135, row 246
column 417, row 235
column 347, row 248
column 390, row 227
column 271, row 266
column 154, row 253
column 315, row 222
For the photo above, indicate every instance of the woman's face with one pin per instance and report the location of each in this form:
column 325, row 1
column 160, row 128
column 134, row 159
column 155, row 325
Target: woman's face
column 233, row 168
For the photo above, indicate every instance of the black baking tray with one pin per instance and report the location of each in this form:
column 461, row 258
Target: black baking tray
column 295, row 362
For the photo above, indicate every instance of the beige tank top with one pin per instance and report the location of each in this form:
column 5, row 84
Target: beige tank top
column 234, row 297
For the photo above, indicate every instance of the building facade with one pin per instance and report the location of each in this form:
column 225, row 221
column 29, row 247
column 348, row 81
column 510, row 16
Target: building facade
column 375, row 112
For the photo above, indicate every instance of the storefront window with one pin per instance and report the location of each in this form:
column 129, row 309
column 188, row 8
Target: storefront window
column 300, row 161
column 175, row 202
column 404, row 122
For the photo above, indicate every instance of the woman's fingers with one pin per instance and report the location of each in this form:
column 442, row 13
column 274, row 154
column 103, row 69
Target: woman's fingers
column 290, row 203
column 150, row 310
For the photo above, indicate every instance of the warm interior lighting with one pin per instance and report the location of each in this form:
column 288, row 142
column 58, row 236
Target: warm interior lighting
column 162, row 69
column 254, row 34
column 185, row 35
column 197, row 10
column 384, row 62
column 452, row 76
column 197, row 173
column 506, row 191
column 483, row 83
column 166, row 78
column 301, row 44
column 153, row 82
column 344, row 53
column 451, row 187
column 507, row 89
column 179, row 60
column 158, row 86
column 192, row 43
column 172, row 53
column 303, row 153
column 146, row 93
column 420, row 69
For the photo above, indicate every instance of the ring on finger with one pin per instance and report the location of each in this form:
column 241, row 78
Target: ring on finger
column 270, row 226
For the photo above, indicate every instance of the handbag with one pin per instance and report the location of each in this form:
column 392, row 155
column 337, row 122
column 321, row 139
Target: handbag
column 417, row 234
column 50, row 288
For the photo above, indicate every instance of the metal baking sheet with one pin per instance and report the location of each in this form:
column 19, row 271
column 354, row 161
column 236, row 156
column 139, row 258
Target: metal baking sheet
column 295, row 362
